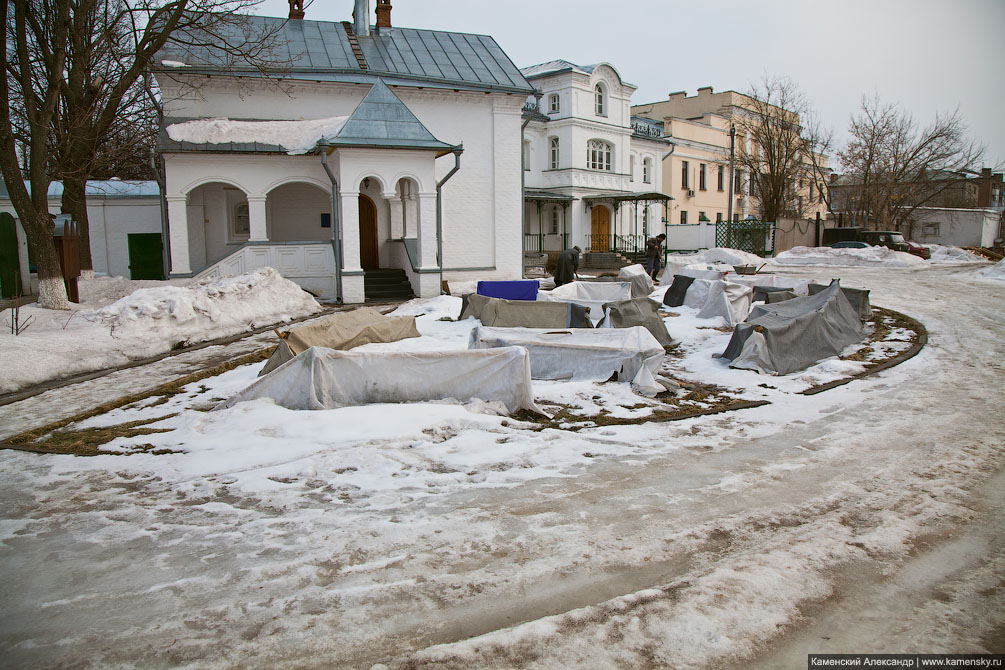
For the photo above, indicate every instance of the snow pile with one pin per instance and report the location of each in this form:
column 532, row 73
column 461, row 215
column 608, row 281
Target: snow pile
column 944, row 254
column 718, row 255
column 996, row 271
column 870, row 257
column 297, row 137
column 148, row 322
column 210, row 308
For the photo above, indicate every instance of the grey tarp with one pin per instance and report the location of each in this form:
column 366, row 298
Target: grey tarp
column 674, row 297
column 583, row 353
column 713, row 298
column 343, row 330
column 642, row 283
column 525, row 313
column 858, row 297
column 591, row 294
column 321, row 378
column 792, row 335
column 638, row 312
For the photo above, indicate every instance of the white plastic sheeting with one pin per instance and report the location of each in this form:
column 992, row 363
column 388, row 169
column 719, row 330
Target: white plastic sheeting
column 714, row 298
column 633, row 354
column 642, row 283
column 321, row 378
column 795, row 284
column 591, row 294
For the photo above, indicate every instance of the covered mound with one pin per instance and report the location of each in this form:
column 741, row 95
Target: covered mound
column 591, row 294
column 525, row 313
column 344, row 330
column 871, row 257
column 519, row 289
column 642, row 283
column 637, row 312
column 322, row 378
column 792, row 335
column 713, row 298
column 583, row 354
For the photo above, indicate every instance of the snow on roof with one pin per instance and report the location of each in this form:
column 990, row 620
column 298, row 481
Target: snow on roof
column 296, row 137
column 106, row 188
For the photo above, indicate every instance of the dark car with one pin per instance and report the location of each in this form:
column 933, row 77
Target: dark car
column 849, row 244
column 890, row 239
column 919, row 250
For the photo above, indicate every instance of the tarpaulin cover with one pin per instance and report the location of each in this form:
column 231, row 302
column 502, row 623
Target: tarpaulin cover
column 762, row 293
column 778, row 295
column 858, row 297
column 699, row 271
column 633, row 354
column 591, row 294
column 794, row 284
column 521, row 289
column 638, row 312
column 713, row 298
column 642, row 283
column 344, row 330
column 792, row 335
column 321, row 378
column 674, row 297
column 515, row 313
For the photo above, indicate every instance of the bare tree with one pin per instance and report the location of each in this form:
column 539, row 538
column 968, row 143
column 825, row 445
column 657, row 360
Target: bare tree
column 74, row 70
column 783, row 147
column 892, row 165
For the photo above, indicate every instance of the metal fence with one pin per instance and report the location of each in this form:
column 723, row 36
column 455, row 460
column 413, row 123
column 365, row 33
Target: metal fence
column 632, row 247
column 748, row 235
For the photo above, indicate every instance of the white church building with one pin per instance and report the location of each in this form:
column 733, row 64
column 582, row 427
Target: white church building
column 592, row 177
column 374, row 149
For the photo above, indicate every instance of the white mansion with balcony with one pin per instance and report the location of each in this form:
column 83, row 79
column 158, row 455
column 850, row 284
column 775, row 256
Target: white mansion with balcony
column 591, row 178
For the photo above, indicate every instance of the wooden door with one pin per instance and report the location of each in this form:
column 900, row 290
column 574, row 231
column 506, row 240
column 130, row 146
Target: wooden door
column 368, row 258
column 600, row 229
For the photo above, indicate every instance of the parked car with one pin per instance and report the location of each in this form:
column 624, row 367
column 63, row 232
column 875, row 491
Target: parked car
column 919, row 250
column 890, row 239
column 849, row 244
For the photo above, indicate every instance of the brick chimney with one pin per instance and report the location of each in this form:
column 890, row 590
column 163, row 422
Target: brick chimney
column 383, row 14
column 361, row 18
column 296, row 9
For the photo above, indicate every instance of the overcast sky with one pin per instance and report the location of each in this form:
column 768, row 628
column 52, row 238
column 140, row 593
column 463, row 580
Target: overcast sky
column 927, row 56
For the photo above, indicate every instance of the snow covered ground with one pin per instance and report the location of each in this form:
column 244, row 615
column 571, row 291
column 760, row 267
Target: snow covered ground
column 444, row 535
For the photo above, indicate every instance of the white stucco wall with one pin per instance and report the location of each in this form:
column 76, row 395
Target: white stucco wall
column 956, row 227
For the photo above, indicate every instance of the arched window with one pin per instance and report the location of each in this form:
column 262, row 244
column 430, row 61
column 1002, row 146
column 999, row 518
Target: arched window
column 553, row 103
column 242, row 220
column 554, row 153
column 601, row 101
column 598, row 155
column 647, row 171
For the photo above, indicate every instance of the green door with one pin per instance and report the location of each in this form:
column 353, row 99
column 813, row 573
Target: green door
column 145, row 260
column 10, row 269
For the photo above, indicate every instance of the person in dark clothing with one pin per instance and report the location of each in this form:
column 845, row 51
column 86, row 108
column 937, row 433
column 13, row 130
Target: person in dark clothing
column 654, row 249
column 568, row 264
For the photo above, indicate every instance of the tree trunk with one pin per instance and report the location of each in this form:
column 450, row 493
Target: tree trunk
column 75, row 204
column 51, row 289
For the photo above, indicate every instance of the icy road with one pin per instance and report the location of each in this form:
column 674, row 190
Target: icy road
column 869, row 518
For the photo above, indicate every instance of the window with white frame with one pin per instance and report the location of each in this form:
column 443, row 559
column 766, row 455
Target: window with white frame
column 554, row 220
column 553, row 144
column 598, row 155
column 601, row 100
column 631, row 168
column 930, row 229
column 241, row 227
column 553, row 103
column 526, row 155
column 647, row 171
column 701, row 176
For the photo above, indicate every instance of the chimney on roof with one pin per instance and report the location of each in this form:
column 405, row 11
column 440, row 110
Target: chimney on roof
column 383, row 14
column 296, row 9
column 361, row 18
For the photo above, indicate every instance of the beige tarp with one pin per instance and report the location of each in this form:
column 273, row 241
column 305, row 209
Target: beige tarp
column 642, row 283
column 525, row 313
column 344, row 330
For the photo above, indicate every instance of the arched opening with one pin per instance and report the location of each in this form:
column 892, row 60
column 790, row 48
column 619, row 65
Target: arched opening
column 368, row 250
column 219, row 222
column 299, row 212
column 600, row 228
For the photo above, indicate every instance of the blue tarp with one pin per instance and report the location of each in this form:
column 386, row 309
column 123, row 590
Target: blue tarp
column 509, row 290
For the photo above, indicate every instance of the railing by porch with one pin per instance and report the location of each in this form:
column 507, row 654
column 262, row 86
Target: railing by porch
column 629, row 246
column 311, row 264
column 536, row 242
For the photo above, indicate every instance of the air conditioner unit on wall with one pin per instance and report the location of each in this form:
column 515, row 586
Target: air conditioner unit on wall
column 690, row 193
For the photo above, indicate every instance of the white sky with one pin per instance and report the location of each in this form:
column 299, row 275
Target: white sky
column 926, row 55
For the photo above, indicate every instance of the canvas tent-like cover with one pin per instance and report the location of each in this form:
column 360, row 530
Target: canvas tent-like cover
column 792, row 335
column 712, row 298
column 642, row 283
column 858, row 297
column 632, row 354
column 591, row 294
column 321, row 378
column 637, row 312
column 344, row 330
column 794, row 284
column 525, row 313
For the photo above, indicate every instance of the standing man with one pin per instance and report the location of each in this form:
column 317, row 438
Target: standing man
column 568, row 264
column 654, row 249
